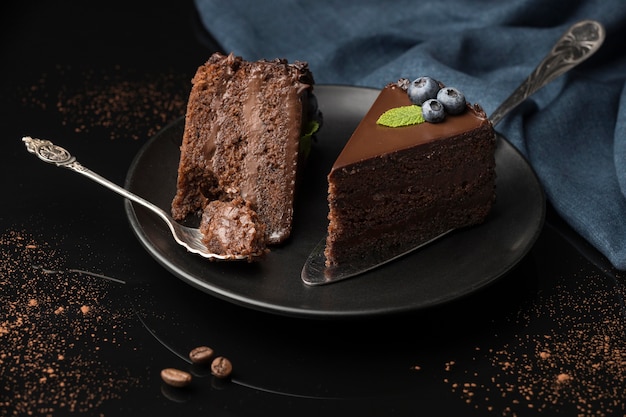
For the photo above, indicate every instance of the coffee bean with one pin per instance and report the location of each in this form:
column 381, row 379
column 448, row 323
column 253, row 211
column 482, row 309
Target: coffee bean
column 201, row 354
column 221, row 367
column 175, row 377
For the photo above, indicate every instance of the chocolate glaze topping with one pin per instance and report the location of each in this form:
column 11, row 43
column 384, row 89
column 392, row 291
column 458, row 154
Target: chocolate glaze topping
column 371, row 139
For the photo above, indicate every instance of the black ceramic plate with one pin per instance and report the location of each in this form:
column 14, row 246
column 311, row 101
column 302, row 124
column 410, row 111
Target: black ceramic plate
column 453, row 267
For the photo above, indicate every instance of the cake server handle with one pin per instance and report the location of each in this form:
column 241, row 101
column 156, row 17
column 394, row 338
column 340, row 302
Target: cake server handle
column 577, row 44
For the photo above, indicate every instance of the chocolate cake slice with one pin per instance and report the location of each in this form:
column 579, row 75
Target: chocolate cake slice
column 393, row 188
column 244, row 129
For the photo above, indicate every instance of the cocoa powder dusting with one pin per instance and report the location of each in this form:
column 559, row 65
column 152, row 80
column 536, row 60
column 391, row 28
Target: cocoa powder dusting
column 577, row 368
column 114, row 103
column 53, row 325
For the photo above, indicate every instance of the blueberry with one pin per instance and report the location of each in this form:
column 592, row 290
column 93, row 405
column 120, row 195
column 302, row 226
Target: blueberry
column 433, row 111
column 422, row 89
column 452, row 99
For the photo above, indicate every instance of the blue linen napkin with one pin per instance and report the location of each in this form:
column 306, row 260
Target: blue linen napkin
column 573, row 131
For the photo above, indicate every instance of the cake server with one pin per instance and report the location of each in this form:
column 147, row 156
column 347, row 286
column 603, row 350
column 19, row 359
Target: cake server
column 579, row 42
column 189, row 237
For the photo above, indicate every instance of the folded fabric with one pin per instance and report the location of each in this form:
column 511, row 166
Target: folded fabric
column 573, row 131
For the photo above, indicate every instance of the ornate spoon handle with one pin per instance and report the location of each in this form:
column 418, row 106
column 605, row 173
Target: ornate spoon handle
column 54, row 154
column 577, row 44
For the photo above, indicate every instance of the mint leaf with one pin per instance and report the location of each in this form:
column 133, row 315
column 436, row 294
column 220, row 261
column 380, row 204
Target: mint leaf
column 401, row 116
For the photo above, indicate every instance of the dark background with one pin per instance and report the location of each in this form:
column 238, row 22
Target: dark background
column 101, row 78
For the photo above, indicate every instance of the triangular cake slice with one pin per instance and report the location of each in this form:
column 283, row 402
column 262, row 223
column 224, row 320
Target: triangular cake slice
column 393, row 188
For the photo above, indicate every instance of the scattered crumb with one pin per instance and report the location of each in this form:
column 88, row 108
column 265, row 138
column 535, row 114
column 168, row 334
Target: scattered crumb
column 562, row 378
column 41, row 371
column 579, row 368
column 116, row 102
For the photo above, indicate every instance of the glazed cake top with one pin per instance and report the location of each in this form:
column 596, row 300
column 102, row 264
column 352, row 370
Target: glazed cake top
column 371, row 139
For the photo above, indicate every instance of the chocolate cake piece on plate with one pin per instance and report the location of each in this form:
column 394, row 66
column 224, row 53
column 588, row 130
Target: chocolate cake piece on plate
column 402, row 180
column 248, row 126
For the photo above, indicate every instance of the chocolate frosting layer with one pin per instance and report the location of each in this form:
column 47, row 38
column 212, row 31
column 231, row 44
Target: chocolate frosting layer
column 371, row 139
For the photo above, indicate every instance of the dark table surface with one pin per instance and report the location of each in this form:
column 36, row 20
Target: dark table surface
column 88, row 318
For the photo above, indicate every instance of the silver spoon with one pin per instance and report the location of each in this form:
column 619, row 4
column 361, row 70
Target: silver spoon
column 189, row 237
column 577, row 44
